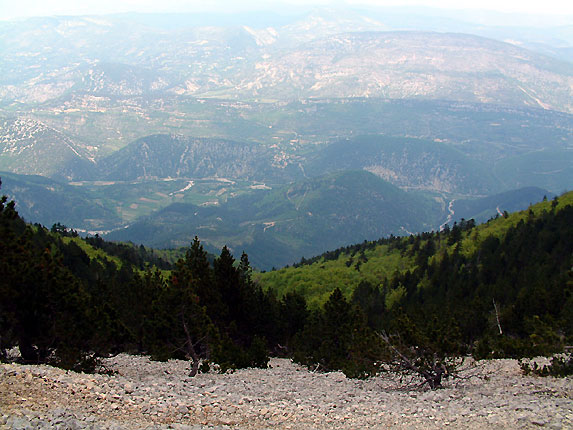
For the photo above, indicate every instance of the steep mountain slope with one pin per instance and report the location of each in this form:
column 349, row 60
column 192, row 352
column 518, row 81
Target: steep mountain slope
column 30, row 147
column 500, row 289
column 396, row 264
column 478, row 143
column 164, row 156
column 280, row 226
column 482, row 209
column 44, row 201
column 472, row 168
column 547, row 168
column 409, row 163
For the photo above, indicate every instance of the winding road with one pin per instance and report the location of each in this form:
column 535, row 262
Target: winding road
column 450, row 215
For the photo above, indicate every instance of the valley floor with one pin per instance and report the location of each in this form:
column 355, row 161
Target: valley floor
column 153, row 395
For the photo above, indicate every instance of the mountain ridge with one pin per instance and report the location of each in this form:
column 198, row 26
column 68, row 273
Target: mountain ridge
column 378, row 261
column 296, row 219
column 31, row 147
column 233, row 62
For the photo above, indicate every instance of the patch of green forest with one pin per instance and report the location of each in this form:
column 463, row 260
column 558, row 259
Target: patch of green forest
column 278, row 226
column 380, row 260
column 501, row 289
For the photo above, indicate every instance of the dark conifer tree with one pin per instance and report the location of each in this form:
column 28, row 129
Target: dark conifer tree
column 338, row 338
column 180, row 326
column 226, row 282
column 293, row 316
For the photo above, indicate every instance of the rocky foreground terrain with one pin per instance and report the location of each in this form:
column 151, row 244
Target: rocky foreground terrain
column 151, row 395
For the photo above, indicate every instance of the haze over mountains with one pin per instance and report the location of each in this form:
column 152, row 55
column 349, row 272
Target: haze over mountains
column 92, row 61
column 248, row 124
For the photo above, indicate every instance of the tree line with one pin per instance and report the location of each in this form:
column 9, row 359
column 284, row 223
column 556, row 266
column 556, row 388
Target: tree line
column 59, row 306
column 510, row 297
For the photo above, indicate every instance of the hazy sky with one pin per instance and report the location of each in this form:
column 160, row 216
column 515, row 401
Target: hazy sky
column 10, row 9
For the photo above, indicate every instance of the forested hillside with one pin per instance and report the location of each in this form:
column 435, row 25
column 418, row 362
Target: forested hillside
column 498, row 289
column 66, row 300
column 276, row 227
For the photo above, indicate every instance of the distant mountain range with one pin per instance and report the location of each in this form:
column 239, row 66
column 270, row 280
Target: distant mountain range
column 275, row 227
column 305, row 218
column 286, row 135
column 309, row 217
column 164, row 156
column 537, row 154
column 67, row 62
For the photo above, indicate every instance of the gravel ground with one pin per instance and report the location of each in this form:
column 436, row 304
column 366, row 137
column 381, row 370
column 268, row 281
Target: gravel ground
column 153, row 395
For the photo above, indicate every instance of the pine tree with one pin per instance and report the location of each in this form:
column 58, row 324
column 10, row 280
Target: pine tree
column 226, row 281
column 338, row 338
column 180, row 326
